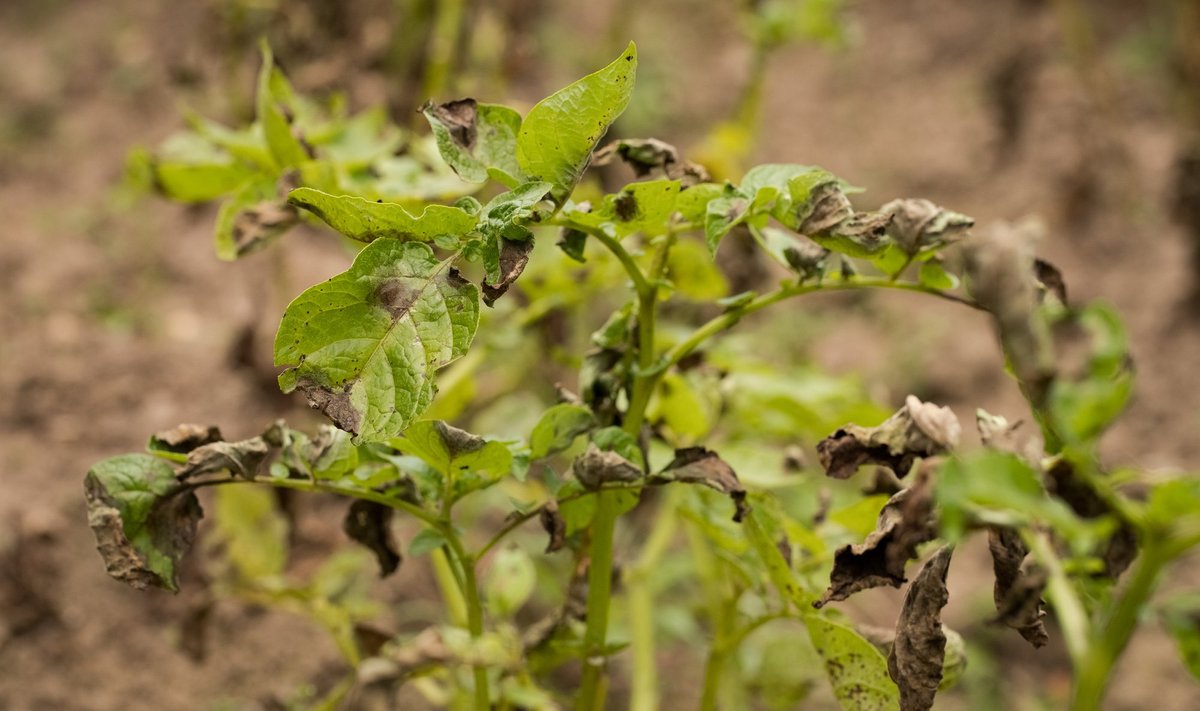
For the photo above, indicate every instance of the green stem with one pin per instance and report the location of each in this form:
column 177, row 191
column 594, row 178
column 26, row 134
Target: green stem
column 639, row 589
column 451, row 587
column 730, row 318
column 1115, row 630
column 1072, row 616
column 470, row 590
column 441, row 56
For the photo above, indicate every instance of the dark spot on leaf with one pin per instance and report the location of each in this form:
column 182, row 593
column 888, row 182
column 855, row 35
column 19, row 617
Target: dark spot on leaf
column 1122, row 546
column 240, row 459
column 459, row 118
column 184, row 438
column 917, row 430
column 554, row 525
column 625, row 206
column 335, row 405
column 396, row 296
column 514, row 255
column 369, row 523
column 1017, row 592
column 595, row 468
column 1050, row 279
column 458, row 442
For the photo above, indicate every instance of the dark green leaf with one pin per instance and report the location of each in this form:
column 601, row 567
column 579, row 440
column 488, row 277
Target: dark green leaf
column 558, row 428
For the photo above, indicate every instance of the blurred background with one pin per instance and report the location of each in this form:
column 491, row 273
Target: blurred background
column 118, row 320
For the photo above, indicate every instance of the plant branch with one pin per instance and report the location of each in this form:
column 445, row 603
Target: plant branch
column 1072, row 616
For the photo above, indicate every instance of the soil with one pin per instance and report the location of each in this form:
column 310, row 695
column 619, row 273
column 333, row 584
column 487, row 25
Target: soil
column 119, row 321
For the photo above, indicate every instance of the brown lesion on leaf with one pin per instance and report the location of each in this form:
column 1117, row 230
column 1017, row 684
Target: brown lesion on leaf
column 460, row 119
column 698, row 465
column 255, row 227
column 369, row 523
column 335, row 404
column 554, row 525
column 648, row 156
column 625, row 205
column 917, row 430
column 396, row 296
column 514, row 255
column 182, row 439
column 906, row 521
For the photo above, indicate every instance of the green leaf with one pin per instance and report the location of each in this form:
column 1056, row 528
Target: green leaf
column 476, row 140
column 558, row 135
column 721, row 216
column 857, row 670
column 450, row 450
column 425, row 541
column 639, row 207
column 935, row 276
column 693, row 273
column 366, row 221
column 1082, row 409
column 692, row 203
column 274, row 98
column 364, row 345
column 558, row 428
column 144, row 519
column 1181, row 617
column 510, row 581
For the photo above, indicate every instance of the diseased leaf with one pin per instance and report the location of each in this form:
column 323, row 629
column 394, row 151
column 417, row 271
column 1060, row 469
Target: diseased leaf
column 476, row 140
column 650, row 156
column 558, row 135
column 697, row 465
column 251, row 219
column 364, row 345
column 638, row 207
column 513, row 258
column 920, row 227
column 241, row 459
column 143, row 517
column 183, row 438
column 370, row 523
column 857, row 671
column 510, row 581
column 915, row 662
column 596, row 467
column 1181, row 617
column 1065, row 483
column 905, row 522
column 1017, row 592
column 558, row 428
column 917, row 430
column 450, row 450
column 805, row 257
column 555, row 526
column 366, row 221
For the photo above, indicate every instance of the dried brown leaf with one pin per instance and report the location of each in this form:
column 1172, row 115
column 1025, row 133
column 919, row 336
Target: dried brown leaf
column 697, row 465
column 905, row 522
column 554, row 525
column 1017, row 592
column 595, row 468
column 917, row 430
column 182, row 439
column 919, row 649
column 240, row 459
column 370, row 523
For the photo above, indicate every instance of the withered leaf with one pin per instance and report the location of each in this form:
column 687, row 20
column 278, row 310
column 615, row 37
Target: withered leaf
column 905, row 522
column 1063, row 482
column 917, row 430
column 554, row 525
column 256, row 227
column 827, row 208
column 650, row 155
column 915, row 662
column 514, row 255
column 143, row 517
column 996, row 432
column 240, row 459
column 459, row 117
column 595, row 468
column 1050, row 279
column 370, row 523
column 918, row 225
column 697, row 465
column 182, row 439
column 1017, row 592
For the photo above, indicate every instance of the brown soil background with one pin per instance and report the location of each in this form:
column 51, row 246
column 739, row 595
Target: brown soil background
column 117, row 323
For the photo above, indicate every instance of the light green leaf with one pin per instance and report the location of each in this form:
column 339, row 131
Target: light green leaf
column 935, row 276
column 366, row 221
column 194, row 181
column 274, row 97
column 510, row 581
column 425, row 541
column 558, row 428
column 559, row 134
column 1181, row 617
column 245, row 144
column 450, row 450
column 477, row 140
column 143, row 518
column 692, row 203
column 857, row 670
column 1082, row 409
column 692, row 272
column 639, row 207
column 364, row 345
column 722, row 215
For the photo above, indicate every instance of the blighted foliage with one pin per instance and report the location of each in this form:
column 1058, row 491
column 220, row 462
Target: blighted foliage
column 656, row 407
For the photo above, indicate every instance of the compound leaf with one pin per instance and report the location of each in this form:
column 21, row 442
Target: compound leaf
column 559, row 134
column 366, row 221
column 364, row 345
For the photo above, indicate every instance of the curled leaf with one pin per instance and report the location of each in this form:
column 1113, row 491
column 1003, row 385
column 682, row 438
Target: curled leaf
column 1063, row 482
column 905, row 522
column 647, row 156
column 996, row 432
column 595, row 468
column 554, row 525
column 915, row 662
column 917, row 430
column 1017, row 592
column 240, row 459
column 477, row 140
column 369, row 523
column 366, row 221
column 919, row 226
column 514, row 256
column 184, row 438
column 697, row 465
column 143, row 517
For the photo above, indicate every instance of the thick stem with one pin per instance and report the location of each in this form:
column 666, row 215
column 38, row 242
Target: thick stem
column 1116, row 629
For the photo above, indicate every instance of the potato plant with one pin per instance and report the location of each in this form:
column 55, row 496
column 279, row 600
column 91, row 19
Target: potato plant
column 662, row 434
